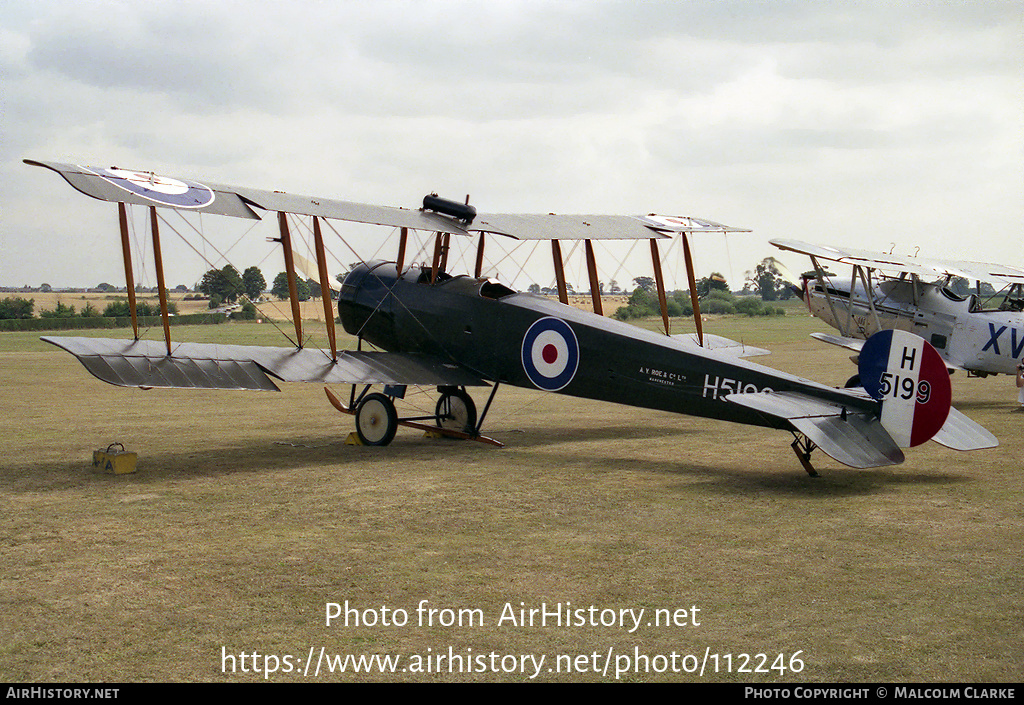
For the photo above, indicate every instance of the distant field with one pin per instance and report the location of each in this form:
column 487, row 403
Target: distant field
column 312, row 309
column 280, row 310
column 249, row 514
column 47, row 301
column 276, row 309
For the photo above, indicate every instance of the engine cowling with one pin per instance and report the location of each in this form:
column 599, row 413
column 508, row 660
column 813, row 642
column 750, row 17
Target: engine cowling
column 365, row 303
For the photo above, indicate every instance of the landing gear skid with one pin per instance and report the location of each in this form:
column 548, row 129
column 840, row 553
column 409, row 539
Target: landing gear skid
column 802, row 447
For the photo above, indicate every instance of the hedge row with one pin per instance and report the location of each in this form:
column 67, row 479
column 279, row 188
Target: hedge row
column 12, row 324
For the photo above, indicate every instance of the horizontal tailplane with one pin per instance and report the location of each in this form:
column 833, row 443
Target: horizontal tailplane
column 961, row 433
column 854, row 438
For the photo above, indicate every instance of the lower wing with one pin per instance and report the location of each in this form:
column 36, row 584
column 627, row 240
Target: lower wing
column 720, row 345
column 145, row 363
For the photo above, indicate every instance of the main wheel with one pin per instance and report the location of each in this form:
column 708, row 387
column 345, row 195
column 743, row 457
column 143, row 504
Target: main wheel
column 853, row 382
column 456, row 411
column 376, row 420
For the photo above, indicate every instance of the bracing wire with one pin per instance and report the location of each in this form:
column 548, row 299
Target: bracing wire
column 206, row 242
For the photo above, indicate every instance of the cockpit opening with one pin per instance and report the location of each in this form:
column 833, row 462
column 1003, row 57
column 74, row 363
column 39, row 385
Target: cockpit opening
column 983, row 296
column 427, row 276
column 493, row 289
column 488, row 288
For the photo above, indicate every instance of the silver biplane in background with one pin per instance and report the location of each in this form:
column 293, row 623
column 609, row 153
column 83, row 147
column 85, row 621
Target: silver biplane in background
column 455, row 332
column 975, row 326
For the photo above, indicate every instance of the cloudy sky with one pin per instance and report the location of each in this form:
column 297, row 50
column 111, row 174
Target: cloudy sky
column 868, row 124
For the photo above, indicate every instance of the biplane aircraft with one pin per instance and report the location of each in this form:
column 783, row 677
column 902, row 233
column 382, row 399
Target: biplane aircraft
column 951, row 304
column 461, row 332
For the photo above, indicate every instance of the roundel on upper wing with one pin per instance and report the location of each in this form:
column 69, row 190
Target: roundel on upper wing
column 164, row 190
column 550, row 354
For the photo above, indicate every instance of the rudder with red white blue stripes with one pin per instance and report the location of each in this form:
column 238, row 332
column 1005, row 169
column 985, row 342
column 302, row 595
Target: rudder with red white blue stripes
column 909, row 377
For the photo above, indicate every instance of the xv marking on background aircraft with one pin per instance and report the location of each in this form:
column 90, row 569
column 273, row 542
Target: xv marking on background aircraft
column 458, row 332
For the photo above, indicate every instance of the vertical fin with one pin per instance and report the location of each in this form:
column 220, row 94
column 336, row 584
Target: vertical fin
column 908, row 376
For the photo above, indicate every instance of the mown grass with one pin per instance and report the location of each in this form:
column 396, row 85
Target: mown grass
column 248, row 514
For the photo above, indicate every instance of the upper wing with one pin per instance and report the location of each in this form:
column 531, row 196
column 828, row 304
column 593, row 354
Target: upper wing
column 145, row 363
column 921, row 266
column 555, row 226
column 149, row 189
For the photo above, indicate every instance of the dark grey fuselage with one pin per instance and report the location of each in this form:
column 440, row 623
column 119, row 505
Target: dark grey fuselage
column 481, row 325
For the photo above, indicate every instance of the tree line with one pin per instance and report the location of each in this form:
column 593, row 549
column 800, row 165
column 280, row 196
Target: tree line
column 226, row 285
column 713, row 293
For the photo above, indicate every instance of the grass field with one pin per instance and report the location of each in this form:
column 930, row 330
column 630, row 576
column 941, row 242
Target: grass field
column 248, row 515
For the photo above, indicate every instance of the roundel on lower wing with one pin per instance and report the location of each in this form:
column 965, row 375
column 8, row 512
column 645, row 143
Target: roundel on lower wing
column 910, row 378
column 159, row 189
column 550, row 354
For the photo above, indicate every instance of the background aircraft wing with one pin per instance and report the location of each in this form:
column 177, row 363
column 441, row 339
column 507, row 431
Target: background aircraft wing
column 842, row 341
column 927, row 267
column 863, row 258
column 977, row 271
column 855, row 344
column 145, row 363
